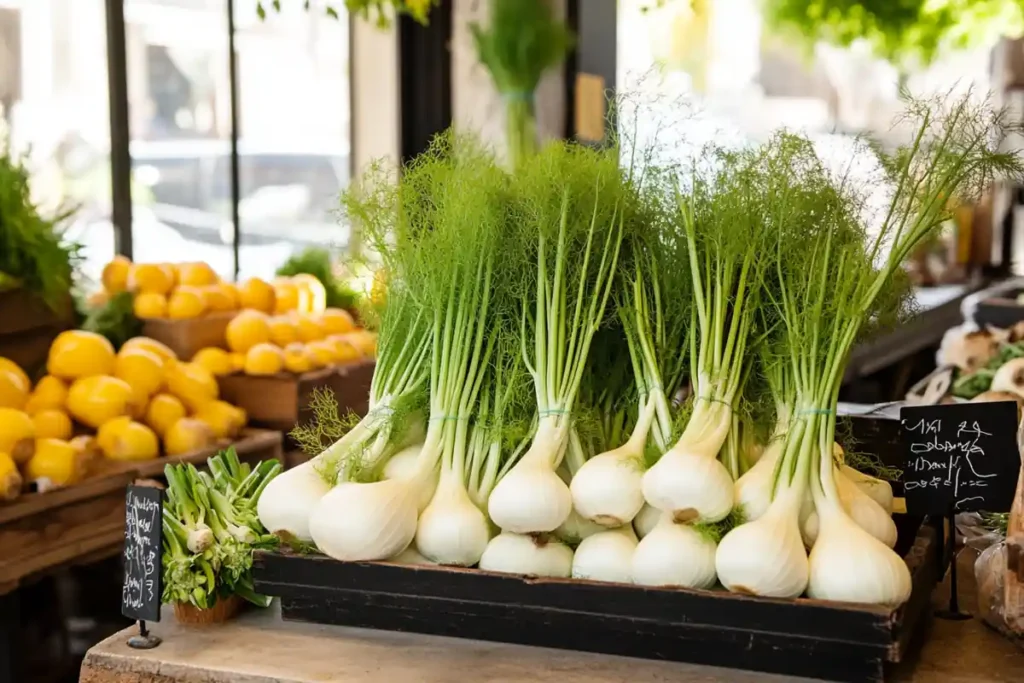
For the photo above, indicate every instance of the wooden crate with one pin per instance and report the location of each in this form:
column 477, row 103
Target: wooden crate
column 803, row 637
column 28, row 327
column 185, row 337
column 41, row 531
column 281, row 401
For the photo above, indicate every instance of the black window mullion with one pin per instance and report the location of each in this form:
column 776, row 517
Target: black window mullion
column 233, row 88
column 120, row 131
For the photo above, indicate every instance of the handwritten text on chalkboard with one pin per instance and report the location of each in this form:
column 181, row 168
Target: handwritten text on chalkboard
column 960, row 457
column 141, row 591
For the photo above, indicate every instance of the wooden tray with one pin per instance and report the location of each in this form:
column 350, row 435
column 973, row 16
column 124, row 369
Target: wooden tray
column 41, row 531
column 28, row 327
column 803, row 637
column 185, row 337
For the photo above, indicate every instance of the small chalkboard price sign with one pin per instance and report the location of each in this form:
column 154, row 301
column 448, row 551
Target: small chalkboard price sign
column 143, row 538
column 961, row 457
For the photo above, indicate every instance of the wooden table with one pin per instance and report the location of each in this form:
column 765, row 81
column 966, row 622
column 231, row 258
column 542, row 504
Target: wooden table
column 259, row 648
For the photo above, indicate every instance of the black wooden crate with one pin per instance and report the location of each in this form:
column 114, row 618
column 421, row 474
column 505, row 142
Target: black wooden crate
column 803, row 637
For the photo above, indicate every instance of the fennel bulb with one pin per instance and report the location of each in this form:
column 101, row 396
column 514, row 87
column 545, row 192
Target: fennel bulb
column 674, row 555
column 576, row 529
column 646, row 520
column 753, row 490
column 530, row 555
column 766, row 556
column 690, row 483
column 402, row 465
column 847, row 564
column 606, row 556
column 289, row 499
column 410, row 556
column 452, row 530
column 357, row 522
column 879, row 489
column 861, row 508
column 531, row 497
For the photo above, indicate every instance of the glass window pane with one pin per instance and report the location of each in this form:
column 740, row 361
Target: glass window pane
column 180, row 113
column 293, row 131
column 53, row 103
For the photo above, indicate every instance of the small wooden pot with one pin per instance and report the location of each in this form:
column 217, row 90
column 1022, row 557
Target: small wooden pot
column 225, row 609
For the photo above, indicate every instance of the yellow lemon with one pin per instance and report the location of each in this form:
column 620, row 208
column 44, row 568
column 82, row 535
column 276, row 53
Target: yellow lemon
column 151, row 345
column 296, row 360
column 237, row 361
column 13, row 391
column 337, row 321
column 188, row 435
column 140, row 368
column 310, row 328
column 55, row 464
column 163, row 411
column 88, row 449
column 344, row 350
column 217, row 361
column 246, row 330
column 125, row 439
column 197, row 274
column 98, row 399
column 150, row 305
column 150, row 277
column 15, row 369
column 52, row 424
column 264, row 359
column 365, row 341
column 115, row 274
column 286, row 296
column 50, row 393
column 17, row 434
column 192, row 383
column 220, row 297
column 186, row 302
column 77, row 353
column 321, row 353
column 10, row 478
column 224, row 419
column 314, row 299
column 256, row 294
column 283, row 330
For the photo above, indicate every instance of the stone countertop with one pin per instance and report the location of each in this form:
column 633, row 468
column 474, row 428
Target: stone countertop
column 260, row 648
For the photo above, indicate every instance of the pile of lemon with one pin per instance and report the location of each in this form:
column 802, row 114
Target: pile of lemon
column 128, row 405
column 294, row 342
column 180, row 291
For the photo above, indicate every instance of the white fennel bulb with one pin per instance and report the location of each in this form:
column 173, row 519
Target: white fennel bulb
column 531, row 497
column 402, row 465
column 289, row 499
column 861, row 508
column 576, row 529
column 539, row 555
column 766, row 557
column 674, row 555
column 410, row 556
column 691, row 484
column 753, row 490
column 847, row 564
column 452, row 529
column 366, row 521
column 879, row 489
column 606, row 556
column 607, row 489
column 646, row 520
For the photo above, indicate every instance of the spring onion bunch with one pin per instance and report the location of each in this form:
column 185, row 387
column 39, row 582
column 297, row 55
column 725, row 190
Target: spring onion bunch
column 210, row 529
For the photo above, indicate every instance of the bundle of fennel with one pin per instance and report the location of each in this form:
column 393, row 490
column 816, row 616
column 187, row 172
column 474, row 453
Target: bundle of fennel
column 628, row 376
column 210, row 530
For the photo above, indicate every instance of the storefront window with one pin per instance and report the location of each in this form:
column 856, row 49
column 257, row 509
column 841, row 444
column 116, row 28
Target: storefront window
column 54, row 109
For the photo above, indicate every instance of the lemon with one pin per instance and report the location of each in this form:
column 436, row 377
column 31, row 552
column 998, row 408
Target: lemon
column 237, row 361
column 150, row 305
column 337, row 321
column 310, row 328
column 87, row 448
column 296, row 360
column 13, row 389
column 140, row 368
column 247, row 329
column 187, row 435
column 264, row 359
column 115, row 274
column 344, row 350
column 150, row 277
column 220, row 297
column 224, row 419
column 256, row 294
column 98, row 399
column 320, row 353
column 152, row 345
column 77, row 353
column 286, row 296
column 197, row 274
column 17, row 434
column 55, row 464
column 125, row 439
column 185, row 303
column 217, row 361
column 283, row 330
column 52, row 424
column 50, row 393
column 163, row 411
column 313, row 295
column 192, row 383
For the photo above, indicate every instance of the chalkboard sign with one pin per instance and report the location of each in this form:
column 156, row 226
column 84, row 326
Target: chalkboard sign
column 143, row 536
column 960, row 458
